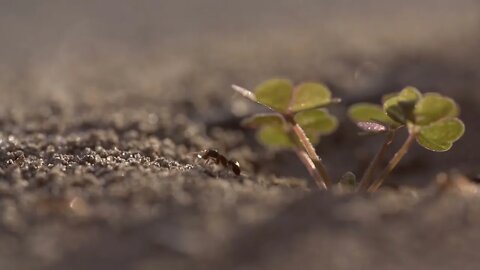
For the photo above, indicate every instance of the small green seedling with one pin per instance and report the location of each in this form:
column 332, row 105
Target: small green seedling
column 297, row 120
column 431, row 120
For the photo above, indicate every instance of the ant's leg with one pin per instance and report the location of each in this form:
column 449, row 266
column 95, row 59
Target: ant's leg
column 208, row 161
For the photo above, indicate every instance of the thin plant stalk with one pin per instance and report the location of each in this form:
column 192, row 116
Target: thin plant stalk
column 308, row 163
column 307, row 145
column 312, row 170
column 368, row 175
column 393, row 162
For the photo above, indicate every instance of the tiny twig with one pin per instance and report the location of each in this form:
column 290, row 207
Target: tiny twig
column 393, row 162
column 312, row 170
column 367, row 176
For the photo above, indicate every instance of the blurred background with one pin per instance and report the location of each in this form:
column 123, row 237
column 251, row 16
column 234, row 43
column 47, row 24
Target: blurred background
column 355, row 46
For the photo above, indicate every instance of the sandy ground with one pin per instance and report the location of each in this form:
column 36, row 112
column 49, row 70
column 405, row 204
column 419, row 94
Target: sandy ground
column 104, row 103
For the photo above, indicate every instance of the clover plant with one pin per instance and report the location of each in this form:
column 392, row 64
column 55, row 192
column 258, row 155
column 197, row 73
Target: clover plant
column 430, row 119
column 299, row 117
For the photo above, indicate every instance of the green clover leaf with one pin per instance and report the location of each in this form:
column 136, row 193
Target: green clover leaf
column 272, row 130
column 317, row 120
column 368, row 112
column 315, row 123
column 274, row 136
column 433, row 107
column 441, row 135
column 400, row 107
column 275, row 93
column 310, row 95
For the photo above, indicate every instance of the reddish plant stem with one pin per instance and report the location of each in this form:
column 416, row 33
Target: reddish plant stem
column 303, row 156
column 310, row 150
column 367, row 176
column 393, row 162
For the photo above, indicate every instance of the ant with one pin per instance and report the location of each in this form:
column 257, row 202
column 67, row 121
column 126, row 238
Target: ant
column 214, row 155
